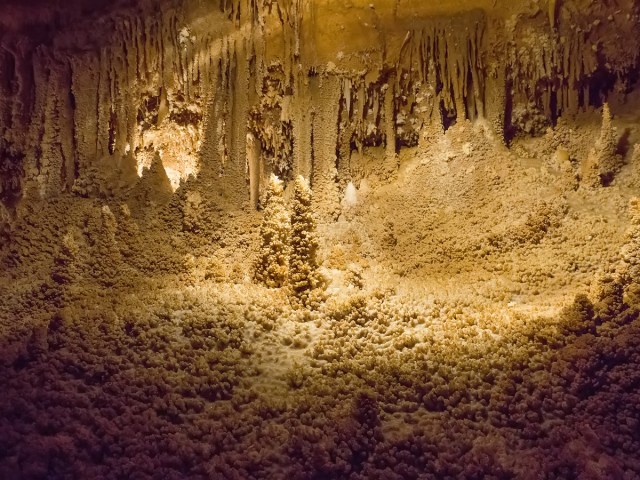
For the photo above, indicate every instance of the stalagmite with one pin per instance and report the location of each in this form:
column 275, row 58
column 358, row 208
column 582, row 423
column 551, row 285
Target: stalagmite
column 304, row 279
column 271, row 268
column 317, row 239
column 603, row 161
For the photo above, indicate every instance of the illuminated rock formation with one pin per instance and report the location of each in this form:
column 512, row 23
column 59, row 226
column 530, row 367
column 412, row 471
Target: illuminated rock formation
column 304, row 278
column 272, row 265
column 316, row 239
column 603, row 161
column 196, row 82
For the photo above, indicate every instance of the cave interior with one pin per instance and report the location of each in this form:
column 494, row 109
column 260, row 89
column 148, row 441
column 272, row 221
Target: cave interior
column 320, row 239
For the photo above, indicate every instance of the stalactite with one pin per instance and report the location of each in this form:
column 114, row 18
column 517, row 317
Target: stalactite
column 301, row 118
column 95, row 98
column 561, row 70
column 441, row 66
column 346, row 132
column 155, row 76
column 326, row 95
column 552, row 12
column 390, row 121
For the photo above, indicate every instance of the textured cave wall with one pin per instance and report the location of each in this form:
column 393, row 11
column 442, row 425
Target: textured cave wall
column 233, row 90
column 104, row 93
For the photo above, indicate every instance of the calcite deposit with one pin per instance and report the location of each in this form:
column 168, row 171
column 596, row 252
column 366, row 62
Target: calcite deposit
column 316, row 239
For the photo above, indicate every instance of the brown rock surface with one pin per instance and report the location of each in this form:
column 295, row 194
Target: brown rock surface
column 456, row 296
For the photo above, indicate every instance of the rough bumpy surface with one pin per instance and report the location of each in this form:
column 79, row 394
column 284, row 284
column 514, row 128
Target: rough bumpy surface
column 272, row 265
column 304, row 278
column 442, row 282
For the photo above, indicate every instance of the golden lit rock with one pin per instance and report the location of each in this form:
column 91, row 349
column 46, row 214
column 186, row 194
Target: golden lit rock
column 319, row 239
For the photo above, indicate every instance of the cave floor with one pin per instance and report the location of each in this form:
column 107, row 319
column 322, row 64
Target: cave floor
column 450, row 343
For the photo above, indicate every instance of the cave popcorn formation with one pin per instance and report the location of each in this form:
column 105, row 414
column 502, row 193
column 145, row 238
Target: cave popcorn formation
column 317, row 239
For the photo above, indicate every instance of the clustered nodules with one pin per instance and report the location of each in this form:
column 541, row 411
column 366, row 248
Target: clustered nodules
column 272, row 265
column 304, row 278
column 474, row 312
column 173, row 362
column 113, row 381
column 288, row 251
column 192, row 382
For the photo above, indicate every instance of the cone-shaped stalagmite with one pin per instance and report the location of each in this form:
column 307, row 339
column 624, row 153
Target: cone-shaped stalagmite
column 603, row 162
column 271, row 266
column 304, row 278
column 106, row 260
column 64, row 269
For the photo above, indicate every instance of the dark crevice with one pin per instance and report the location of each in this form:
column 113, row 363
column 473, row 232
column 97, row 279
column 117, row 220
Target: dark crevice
column 509, row 130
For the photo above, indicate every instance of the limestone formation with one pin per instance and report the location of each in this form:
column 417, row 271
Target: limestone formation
column 319, row 239
column 603, row 161
column 167, row 83
column 105, row 259
column 271, row 268
column 304, row 277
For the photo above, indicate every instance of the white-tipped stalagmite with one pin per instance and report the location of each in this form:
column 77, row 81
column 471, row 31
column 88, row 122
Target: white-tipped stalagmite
column 272, row 265
column 603, row 161
column 304, row 278
column 350, row 195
